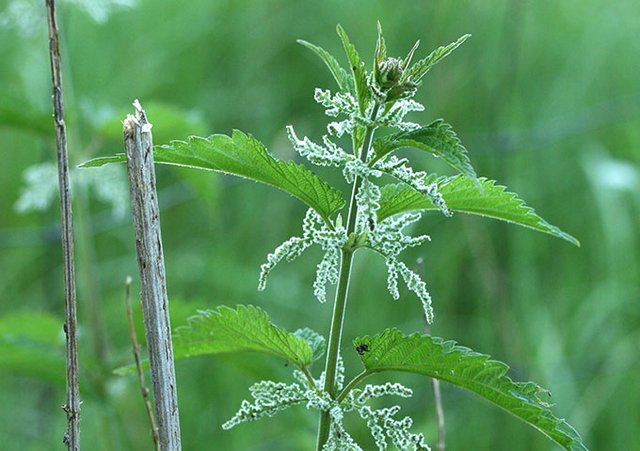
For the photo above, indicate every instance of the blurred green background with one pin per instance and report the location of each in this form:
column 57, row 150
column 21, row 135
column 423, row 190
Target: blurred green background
column 546, row 97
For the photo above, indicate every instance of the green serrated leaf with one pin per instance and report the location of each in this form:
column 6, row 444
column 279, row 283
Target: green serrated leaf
column 444, row 360
column 437, row 138
column 462, row 195
column 316, row 341
column 339, row 74
column 246, row 328
column 357, row 70
column 381, row 49
column 420, row 68
column 242, row 155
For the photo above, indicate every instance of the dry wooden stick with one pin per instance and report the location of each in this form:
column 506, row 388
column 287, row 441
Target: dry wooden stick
column 72, row 402
column 136, row 356
column 138, row 143
column 435, row 383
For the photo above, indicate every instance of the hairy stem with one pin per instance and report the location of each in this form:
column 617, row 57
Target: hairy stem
column 334, row 343
column 340, row 303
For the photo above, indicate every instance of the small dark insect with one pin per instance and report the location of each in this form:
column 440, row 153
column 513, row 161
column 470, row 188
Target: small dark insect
column 362, row 348
column 372, row 224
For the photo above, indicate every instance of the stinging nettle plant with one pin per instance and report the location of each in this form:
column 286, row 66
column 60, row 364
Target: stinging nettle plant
column 376, row 218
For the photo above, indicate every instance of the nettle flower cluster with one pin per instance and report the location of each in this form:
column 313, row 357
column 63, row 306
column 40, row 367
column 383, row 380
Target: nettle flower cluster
column 391, row 89
column 272, row 397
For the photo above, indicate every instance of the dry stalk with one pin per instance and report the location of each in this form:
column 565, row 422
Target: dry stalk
column 136, row 355
column 72, row 402
column 138, row 143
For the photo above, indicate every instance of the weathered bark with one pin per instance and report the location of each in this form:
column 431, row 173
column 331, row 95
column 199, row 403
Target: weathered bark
column 138, row 143
column 136, row 355
column 72, row 403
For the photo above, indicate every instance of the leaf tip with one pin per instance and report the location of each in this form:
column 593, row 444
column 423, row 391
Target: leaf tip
column 573, row 240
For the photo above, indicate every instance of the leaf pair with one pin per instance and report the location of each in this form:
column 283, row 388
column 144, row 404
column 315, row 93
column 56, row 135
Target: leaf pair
column 244, row 156
column 247, row 328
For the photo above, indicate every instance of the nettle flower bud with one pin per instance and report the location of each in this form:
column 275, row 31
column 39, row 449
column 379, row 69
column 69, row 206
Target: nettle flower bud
column 389, row 75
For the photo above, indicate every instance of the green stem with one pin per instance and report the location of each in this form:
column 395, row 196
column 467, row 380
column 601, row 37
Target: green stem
column 305, row 371
column 351, row 385
column 340, row 303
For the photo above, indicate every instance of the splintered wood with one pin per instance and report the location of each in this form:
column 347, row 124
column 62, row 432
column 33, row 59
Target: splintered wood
column 138, row 143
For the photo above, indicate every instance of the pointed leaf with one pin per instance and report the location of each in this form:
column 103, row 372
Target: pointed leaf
column 461, row 195
column 381, row 49
column 437, row 138
column 247, row 328
column 101, row 161
column 420, row 69
column 339, row 74
column 243, row 155
column 357, row 69
column 407, row 60
column 444, row 360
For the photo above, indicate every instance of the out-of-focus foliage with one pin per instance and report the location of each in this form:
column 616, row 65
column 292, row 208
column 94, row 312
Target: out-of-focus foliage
column 544, row 96
column 31, row 344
